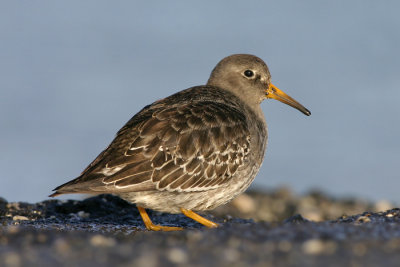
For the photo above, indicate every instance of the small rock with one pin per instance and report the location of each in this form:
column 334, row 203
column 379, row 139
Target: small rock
column 363, row 219
column 313, row 215
column 244, row 203
column 146, row 259
column 102, row 241
column 13, row 205
column 231, row 255
column 383, row 205
column 20, row 218
column 297, row 219
column 12, row 259
column 83, row 214
column 313, row 247
column 62, row 246
column 177, row 255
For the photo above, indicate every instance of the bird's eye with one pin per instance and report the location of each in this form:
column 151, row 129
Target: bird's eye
column 248, row 73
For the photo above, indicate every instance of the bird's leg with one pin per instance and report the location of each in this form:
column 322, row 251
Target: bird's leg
column 199, row 219
column 153, row 227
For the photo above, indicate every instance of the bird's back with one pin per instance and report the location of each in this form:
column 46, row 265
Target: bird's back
column 194, row 140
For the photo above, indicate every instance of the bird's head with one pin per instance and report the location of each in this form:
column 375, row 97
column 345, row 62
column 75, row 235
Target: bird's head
column 248, row 77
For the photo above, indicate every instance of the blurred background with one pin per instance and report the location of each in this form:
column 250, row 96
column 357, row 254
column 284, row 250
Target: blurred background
column 72, row 73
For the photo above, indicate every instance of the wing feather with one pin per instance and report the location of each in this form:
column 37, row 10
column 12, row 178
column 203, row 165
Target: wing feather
column 191, row 147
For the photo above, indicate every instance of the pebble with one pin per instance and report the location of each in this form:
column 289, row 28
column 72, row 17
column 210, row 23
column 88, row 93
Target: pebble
column 102, row 241
column 20, row 218
column 83, row 214
column 231, row 254
column 12, row 259
column 318, row 246
column 244, row 203
column 177, row 255
column 62, row 246
column 146, row 259
column 383, row 205
column 313, row 246
column 363, row 219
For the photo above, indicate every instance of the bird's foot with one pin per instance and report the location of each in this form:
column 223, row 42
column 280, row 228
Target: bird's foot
column 198, row 218
column 154, row 227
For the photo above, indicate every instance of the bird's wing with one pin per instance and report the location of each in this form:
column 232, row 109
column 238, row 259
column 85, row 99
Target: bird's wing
column 190, row 147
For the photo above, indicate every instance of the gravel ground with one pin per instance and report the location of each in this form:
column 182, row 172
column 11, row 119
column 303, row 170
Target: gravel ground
column 105, row 230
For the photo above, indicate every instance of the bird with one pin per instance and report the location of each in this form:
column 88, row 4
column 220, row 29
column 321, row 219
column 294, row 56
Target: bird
column 192, row 151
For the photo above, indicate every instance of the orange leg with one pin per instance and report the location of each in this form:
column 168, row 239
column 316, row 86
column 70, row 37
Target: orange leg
column 153, row 227
column 199, row 219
